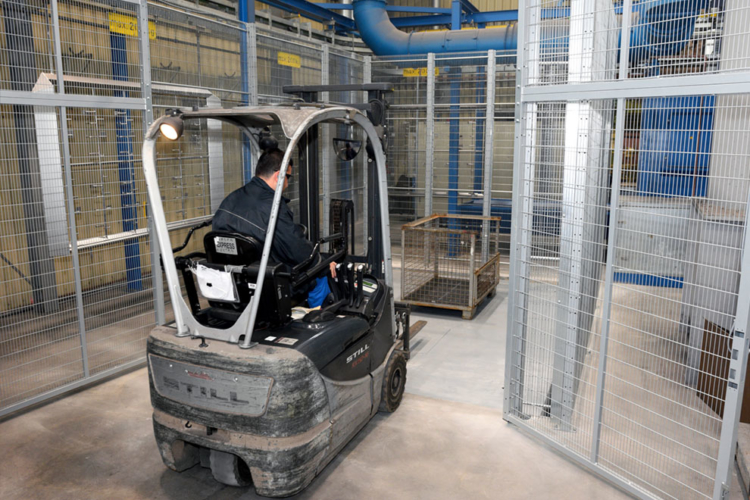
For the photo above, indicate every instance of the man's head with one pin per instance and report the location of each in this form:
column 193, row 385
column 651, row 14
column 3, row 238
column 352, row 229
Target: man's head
column 269, row 165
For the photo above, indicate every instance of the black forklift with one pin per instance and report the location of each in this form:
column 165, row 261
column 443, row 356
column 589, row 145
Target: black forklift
column 243, row 383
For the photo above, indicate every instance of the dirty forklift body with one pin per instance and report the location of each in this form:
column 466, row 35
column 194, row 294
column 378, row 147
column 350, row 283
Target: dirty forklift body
column 242, row 387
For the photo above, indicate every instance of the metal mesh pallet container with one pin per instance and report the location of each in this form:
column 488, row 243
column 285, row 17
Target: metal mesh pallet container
column 450, row 261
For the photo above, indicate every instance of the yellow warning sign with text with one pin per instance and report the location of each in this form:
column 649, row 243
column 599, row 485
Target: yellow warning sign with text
column 290, row 60
column 414, row 72
column 128, row 25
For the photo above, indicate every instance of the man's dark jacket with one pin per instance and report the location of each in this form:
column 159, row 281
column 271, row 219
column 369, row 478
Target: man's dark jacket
column 247, row 210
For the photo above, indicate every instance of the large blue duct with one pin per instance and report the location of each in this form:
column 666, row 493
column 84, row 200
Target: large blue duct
column 660, row 28
column 384, row 39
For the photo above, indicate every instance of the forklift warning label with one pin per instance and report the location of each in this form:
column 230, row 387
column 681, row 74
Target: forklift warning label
column 290, row 60
column 287, row 341
column 227, row 246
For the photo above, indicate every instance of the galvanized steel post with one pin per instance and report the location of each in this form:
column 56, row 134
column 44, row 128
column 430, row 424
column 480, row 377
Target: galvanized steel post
column 148, row 117
column 612, row 234
column 69, row 190
column 527, row 67
column 489, row 152
column 429, row 135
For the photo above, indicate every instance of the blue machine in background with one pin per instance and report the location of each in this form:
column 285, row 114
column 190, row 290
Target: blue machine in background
column 546, row 221
column 675, row 145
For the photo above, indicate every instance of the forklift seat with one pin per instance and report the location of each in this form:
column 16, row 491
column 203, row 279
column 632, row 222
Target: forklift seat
column 228, row 276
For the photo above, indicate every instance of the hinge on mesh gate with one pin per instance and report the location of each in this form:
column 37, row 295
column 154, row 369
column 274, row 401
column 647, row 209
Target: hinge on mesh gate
column 734, row 354
column 724, row 491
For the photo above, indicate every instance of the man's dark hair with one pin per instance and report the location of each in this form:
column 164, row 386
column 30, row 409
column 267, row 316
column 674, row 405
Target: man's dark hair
column 270, row 162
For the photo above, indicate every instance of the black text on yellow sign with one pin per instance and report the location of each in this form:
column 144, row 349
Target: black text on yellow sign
column 290, row 60
column 128, row 25
column 414, row 72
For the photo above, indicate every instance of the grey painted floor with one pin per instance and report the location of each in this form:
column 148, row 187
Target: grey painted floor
column 446, row 441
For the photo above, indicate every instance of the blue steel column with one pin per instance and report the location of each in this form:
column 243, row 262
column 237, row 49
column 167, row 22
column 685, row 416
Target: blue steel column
column 246, row 14
column 118, row 44
column 456, row 15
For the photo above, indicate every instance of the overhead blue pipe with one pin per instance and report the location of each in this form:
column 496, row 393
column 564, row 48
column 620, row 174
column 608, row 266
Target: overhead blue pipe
column 389, row 8
column 384, row 39
column 662, row 28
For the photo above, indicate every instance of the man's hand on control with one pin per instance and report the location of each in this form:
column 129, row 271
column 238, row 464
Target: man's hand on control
column 333, row 269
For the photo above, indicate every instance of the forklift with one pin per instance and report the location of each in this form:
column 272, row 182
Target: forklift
column 242, row 381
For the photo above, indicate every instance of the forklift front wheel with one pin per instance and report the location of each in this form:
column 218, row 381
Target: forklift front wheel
column 394, row 381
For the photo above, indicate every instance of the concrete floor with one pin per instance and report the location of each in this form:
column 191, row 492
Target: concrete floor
column 446, row 441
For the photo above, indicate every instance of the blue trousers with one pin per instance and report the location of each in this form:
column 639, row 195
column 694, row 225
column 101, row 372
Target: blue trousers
column 318, row 295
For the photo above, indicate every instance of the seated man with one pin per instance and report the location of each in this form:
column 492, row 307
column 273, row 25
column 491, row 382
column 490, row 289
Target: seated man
column 248, row 209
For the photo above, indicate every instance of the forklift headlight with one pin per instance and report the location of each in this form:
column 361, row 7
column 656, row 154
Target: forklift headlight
column 171, row 128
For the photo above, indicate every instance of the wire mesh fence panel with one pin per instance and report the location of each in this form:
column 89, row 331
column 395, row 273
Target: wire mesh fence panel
column 674, row 298
column 110, row 210
column 194, row 51
column 667, row 37
column 99, row 48
column 40, row 345
column 406, row 144
column 563, row 256
column 26, row 47
column 460, row 109
column 53, row 339
column 285, row 60
column 675, row 38
column 625, row 333
column 501, row 189
column 347, row 177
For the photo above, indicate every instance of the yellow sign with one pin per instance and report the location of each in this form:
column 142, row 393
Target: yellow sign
column 289, row 60
column 413, row 72
column 127, row 25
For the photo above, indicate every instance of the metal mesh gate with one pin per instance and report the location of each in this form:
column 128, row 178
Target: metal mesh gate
column 628, row 308
column 78, row 84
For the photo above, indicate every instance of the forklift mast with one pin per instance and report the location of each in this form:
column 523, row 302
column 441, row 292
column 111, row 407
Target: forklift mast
column 376, row 109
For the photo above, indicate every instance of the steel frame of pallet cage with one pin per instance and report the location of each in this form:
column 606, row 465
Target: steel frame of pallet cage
column 471, row 275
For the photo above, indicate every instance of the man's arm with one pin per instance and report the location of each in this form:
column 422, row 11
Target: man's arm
column 288, row 240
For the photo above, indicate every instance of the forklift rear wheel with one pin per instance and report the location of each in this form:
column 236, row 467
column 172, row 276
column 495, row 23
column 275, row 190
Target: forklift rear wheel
column 394, row 381
column 229, row 469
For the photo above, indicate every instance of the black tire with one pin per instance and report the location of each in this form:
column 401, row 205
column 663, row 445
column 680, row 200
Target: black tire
column 229, row 469
column 394, row 381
